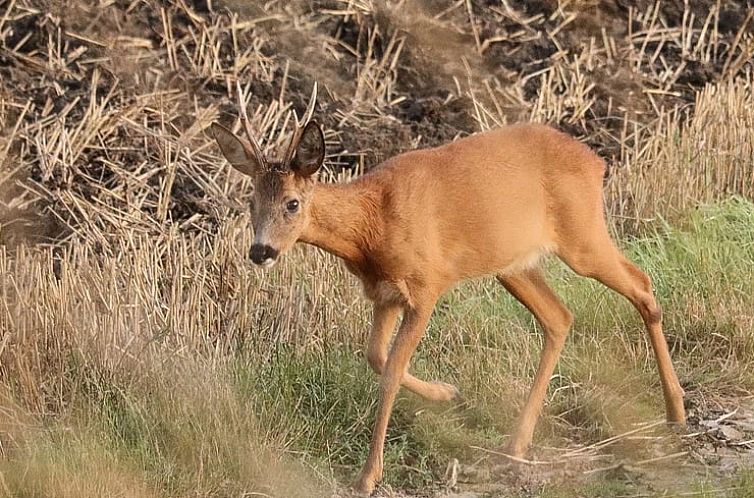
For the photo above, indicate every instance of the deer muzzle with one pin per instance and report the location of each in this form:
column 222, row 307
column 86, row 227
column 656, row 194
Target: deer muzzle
column 263, row 255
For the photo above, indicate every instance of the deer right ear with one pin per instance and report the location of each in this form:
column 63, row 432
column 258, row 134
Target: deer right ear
column 235, row 151
column 310, row 151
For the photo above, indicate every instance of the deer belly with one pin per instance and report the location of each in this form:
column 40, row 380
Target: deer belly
column 527, row 260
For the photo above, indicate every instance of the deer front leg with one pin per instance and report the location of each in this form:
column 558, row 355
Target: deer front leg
column 408, row 337
column 383, row 324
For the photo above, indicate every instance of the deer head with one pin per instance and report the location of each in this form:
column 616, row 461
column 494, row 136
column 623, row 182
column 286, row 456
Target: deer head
column 280, row 207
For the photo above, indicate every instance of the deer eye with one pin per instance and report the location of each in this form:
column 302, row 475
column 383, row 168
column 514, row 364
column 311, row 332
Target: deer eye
column 292, row 206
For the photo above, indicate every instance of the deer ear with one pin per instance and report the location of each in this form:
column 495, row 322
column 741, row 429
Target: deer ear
column 310, row 151
column 235, row 151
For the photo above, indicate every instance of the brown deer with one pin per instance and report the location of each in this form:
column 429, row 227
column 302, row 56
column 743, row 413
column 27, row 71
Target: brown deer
column 488, row 204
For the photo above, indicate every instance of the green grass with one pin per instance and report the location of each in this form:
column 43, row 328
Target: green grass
column 296, row 419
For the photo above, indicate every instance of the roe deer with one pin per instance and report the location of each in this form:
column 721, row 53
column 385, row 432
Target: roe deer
column 412, row 227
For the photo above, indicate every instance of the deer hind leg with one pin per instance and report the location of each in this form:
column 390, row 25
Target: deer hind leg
column 603, row 262
column 530, row 288
column 383, row 324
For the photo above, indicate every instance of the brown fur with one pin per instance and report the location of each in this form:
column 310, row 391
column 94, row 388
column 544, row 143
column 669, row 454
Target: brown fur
column 492, row 203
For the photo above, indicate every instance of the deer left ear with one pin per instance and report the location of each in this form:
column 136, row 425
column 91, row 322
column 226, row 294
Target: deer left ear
column 310, row 151
column 236, row 152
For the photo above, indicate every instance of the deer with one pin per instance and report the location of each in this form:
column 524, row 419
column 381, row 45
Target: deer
column 493, row 203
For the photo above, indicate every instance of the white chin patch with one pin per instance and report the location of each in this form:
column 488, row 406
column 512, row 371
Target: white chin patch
column 268, row 263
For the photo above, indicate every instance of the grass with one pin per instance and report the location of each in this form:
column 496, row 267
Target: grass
column 169, row 413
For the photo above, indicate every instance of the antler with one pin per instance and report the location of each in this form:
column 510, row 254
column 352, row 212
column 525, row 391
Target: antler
column 300, row 125
column 249, row 133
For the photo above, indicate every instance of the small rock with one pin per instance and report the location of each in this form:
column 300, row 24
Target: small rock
column 731, row 433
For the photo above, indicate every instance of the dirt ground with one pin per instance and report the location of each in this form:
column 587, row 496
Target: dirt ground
column 651, row 459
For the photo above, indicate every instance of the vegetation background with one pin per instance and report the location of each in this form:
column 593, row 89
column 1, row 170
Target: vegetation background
column 142, row 355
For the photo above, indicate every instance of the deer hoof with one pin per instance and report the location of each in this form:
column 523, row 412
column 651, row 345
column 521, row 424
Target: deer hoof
column 516, row 449
column 445, row 391
column 364, row 485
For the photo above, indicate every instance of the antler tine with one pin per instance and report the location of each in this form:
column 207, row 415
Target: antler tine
column 310, row 107
column 249, row 132
column 300, row 125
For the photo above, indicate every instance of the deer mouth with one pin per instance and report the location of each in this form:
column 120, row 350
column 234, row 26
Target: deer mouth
column 268, row 263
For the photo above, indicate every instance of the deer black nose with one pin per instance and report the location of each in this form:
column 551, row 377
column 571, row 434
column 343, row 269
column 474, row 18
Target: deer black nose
column 261, row 253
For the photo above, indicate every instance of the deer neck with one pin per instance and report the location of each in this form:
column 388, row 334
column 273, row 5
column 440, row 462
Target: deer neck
column 343, row 220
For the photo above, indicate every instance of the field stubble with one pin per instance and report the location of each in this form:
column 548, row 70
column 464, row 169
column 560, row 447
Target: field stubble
column 141, row 354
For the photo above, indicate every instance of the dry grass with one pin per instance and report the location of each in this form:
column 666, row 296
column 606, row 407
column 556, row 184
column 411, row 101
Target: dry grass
column 139, row 346
column 151, row 436
column 688, row 158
